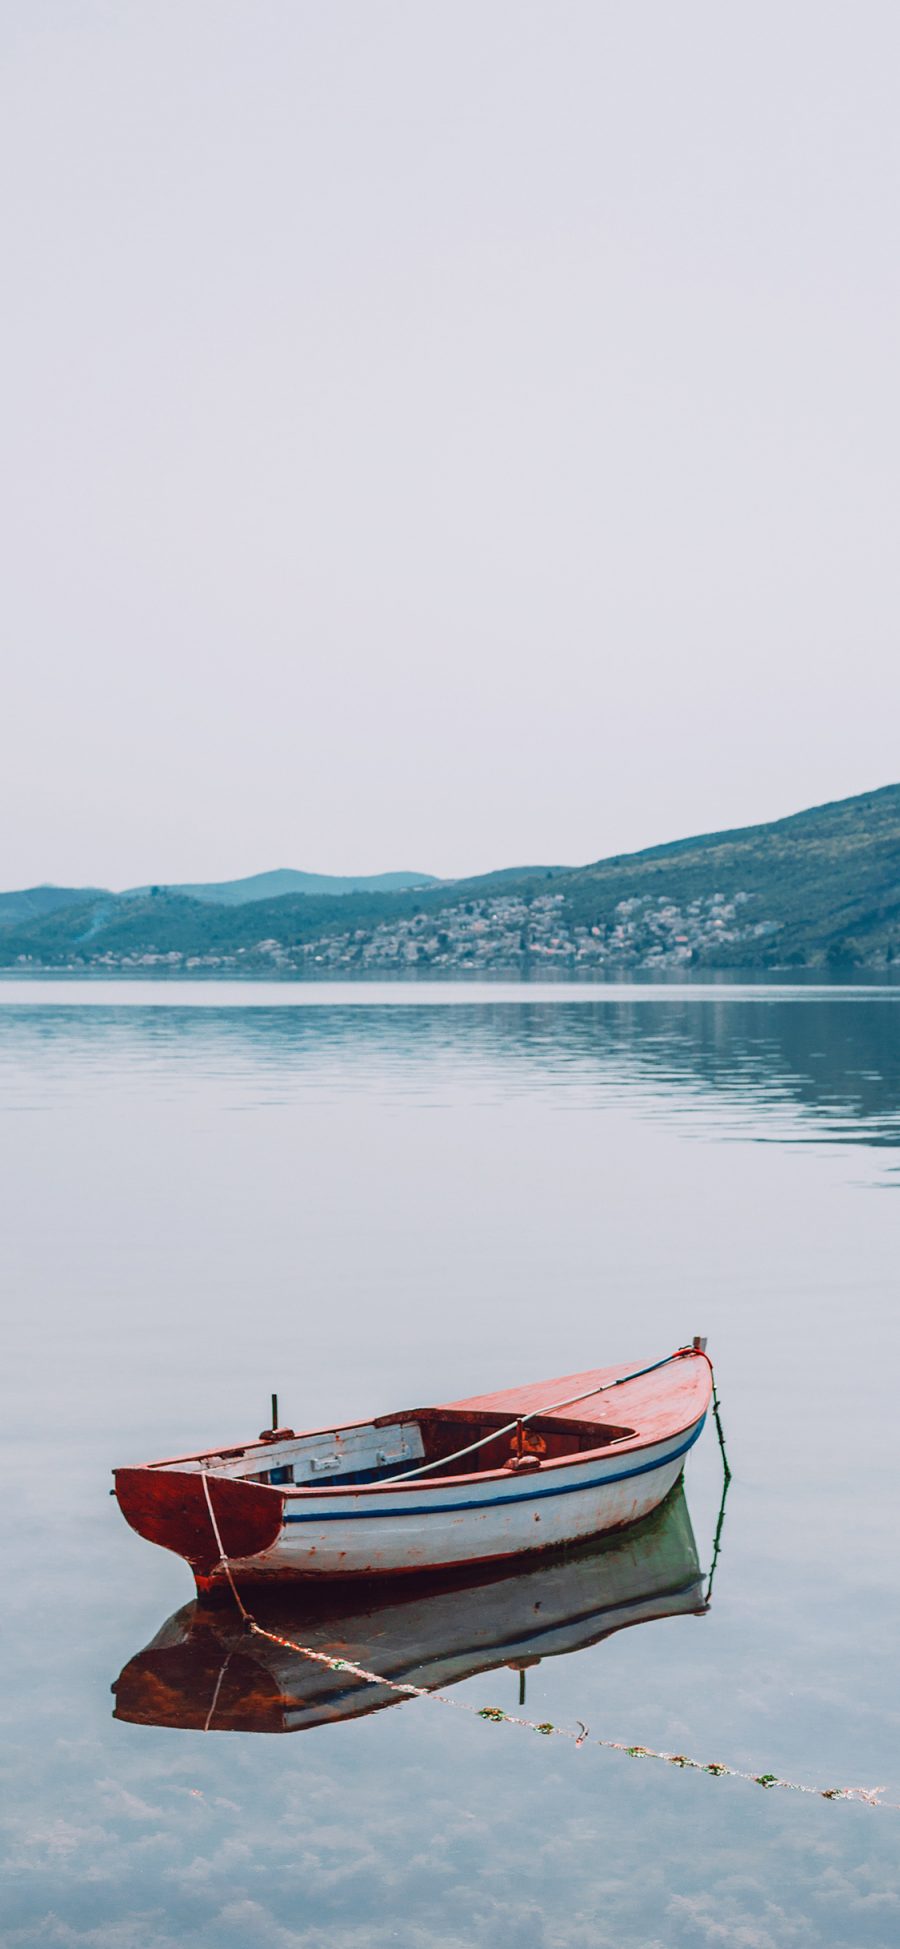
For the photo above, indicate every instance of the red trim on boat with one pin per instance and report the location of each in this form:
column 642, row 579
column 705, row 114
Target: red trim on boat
column 169, row 1507
column 167, row 1504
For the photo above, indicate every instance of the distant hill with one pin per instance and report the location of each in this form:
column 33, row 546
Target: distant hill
column 163, row 922
column 827, row 880
column 820, row 889
column 285, row 879
column 32, row 902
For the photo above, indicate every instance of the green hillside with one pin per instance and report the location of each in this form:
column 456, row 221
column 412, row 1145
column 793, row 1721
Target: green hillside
column 820, row 889
column 31, row 903
column 166, row 922
column 828, row 879
column 286, row 879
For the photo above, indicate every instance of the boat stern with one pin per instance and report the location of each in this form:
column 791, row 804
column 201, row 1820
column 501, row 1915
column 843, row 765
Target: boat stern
column 168, row 1506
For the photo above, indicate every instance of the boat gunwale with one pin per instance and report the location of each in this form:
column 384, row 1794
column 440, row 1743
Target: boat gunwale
column 324, row 1492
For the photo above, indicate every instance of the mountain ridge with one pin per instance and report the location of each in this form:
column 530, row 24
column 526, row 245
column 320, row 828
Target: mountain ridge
column 47, row 898
column 818, row 888
column 288, row 879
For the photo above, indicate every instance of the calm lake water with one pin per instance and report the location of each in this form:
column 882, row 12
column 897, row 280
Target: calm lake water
column 371, row 1197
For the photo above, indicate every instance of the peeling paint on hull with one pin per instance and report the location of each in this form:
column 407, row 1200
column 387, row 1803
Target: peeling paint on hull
column 383, row 1542
column 592, row 1476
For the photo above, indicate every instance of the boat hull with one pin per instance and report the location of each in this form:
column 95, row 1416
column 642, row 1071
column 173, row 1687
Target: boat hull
column 243, row 1513
column 442, row 1526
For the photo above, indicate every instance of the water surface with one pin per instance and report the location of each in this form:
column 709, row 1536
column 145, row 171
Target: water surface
column 365, row 1198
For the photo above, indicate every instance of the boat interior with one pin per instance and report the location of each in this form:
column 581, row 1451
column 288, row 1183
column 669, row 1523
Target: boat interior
column 395, row 1444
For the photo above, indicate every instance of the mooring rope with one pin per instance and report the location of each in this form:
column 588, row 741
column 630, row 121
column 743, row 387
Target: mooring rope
column 226, row 1566
column 553, row 1407
column 495, row 1714
column 215, row 1697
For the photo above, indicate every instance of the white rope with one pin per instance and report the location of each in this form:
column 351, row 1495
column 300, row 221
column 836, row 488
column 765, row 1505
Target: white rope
column 215, row 1697
column 554, row 1408
column 870, row 1796
column 226, row 1566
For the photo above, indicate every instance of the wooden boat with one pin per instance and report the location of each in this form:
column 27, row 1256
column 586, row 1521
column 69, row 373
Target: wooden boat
column 202, row 1670
column 477, row 1480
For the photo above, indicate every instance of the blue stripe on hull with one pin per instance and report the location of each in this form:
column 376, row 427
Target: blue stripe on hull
column 417, row 1508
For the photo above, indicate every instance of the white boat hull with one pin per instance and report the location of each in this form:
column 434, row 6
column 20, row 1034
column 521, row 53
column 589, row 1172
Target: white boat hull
column 494, row 1477
column 439, row 1526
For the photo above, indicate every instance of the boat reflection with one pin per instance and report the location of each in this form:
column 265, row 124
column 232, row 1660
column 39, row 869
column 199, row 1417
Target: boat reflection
column 204, row 1671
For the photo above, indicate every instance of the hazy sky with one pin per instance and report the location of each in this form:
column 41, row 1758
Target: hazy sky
column 442, row 434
